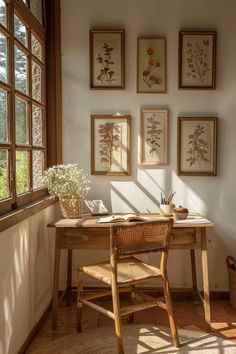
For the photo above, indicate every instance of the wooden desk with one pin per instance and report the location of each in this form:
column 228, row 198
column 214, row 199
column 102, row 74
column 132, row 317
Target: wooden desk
column 85, row 233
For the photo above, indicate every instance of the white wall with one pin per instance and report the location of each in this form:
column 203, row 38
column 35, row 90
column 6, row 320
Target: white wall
column 214, row 197
column 26, row 274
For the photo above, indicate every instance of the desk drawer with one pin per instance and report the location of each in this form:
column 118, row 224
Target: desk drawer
column 96, row 238
column 181, row 237
column 99, row 238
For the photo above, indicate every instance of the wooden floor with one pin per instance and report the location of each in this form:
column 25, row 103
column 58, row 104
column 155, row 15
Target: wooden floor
column 188, row 316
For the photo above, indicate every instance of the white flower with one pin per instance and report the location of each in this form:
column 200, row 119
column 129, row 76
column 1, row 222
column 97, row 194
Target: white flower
column 66, row 181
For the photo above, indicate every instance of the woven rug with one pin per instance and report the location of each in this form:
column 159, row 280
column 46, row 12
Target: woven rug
column 138, row 339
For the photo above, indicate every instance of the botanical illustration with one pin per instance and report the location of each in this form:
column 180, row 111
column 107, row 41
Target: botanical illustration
column 110, row 144
column 153, row 134
column 109, row 141
column 148, row 74
column 197, row 60
column 106, row 72
column 199, row 147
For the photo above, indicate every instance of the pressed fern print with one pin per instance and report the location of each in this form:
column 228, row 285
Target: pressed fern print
column 199, row 147
column 109, row 141
column 153, row 134
column 197, row 59
column 106, row 72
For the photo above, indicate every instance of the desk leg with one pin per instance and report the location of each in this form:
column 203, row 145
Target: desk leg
column 69, row 272
column 205, row 277
column 194, row 276
column 56, row 279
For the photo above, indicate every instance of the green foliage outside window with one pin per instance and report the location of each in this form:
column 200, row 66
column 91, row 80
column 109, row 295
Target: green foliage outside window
column 3, row 175
column 21, row 172
column 20, row 111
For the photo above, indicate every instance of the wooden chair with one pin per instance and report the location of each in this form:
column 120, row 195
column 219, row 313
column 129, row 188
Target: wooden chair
column 124, row 270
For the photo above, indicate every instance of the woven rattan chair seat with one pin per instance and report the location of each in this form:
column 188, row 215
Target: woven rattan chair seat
column 128, row 270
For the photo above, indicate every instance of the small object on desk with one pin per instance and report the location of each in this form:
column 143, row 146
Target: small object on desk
column 170, row 197
column 166, row 209
column 167, row 201
column 96, row 207
column 180, row 213
column 118, row 218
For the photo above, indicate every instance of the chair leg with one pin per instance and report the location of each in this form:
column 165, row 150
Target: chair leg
column 118, row 328
column 79, row 303
column 170, row 311
column 132, row 300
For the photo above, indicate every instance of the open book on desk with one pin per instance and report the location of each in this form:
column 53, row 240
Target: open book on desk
column 126, row 217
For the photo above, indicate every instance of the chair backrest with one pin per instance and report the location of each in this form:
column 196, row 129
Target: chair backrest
column 140, row 237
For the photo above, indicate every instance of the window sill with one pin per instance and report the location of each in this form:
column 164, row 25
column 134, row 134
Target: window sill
column 16, row 216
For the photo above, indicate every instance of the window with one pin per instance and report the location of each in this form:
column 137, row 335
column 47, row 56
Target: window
column 22, row 102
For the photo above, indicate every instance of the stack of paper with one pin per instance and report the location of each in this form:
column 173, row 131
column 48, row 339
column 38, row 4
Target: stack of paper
column 193, row 220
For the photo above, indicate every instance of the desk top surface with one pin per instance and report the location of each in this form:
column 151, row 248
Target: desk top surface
column 89, row 221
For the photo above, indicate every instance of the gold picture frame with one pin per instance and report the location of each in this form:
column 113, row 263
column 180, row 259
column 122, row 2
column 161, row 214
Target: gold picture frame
column 110, row 145
column 197, row 146
column 197, row 60
column 151, row 65
column 107, row 59
column 153, row 137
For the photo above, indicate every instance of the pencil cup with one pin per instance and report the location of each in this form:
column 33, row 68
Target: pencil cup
column 166, row 209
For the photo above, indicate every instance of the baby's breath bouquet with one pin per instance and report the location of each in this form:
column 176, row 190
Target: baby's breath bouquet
column 67, row 182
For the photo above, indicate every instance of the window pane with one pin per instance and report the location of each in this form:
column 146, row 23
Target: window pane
column 36, row 8
column 36, row 47
column 4, row 192
column 20, row 70
column 37, row 168
column 21, row 121
column 3, row 13
column 3, row 115
column 37, row 125
column 19, row 30
column 36, row 81
column 3, row 58
column 21, row 172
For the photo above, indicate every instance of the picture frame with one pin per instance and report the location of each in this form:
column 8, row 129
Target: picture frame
column 110, row 145
column 197, row 146
column 153, row 136
column 107, row 59
column 197, row 60
column 151, row 65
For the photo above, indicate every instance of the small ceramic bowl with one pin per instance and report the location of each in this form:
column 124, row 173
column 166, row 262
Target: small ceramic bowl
column 180, row 216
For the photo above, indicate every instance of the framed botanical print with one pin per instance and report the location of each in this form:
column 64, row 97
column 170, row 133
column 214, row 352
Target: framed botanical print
column 107, row 59
column 153, row 137
column 151, row 65
column 197, row 146
column 110, row 145
column 197, row 60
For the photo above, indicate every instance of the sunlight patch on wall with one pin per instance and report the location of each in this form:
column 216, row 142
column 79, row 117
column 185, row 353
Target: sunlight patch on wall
column 155, row 179
column 7, row 309
column 21, row 256
column 131, row 197
column 186, row 196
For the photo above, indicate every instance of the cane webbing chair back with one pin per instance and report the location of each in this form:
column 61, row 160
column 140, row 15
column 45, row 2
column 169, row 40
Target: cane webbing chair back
column 141, row 237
